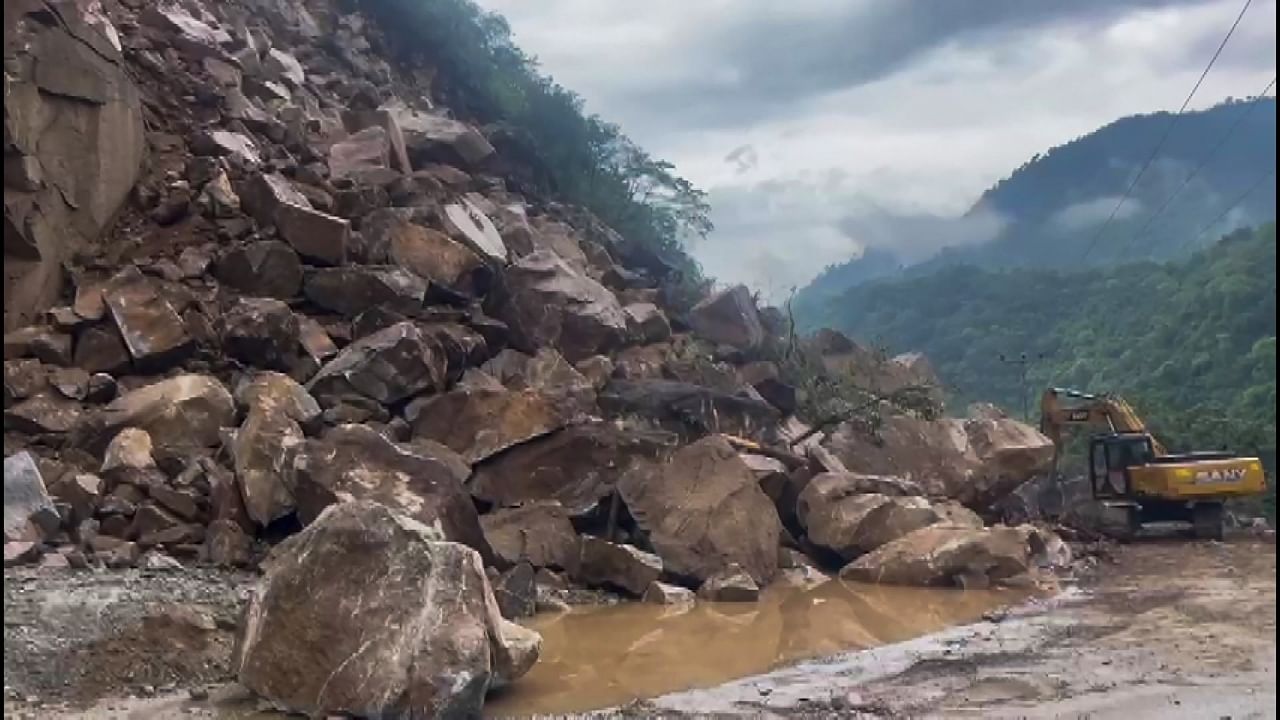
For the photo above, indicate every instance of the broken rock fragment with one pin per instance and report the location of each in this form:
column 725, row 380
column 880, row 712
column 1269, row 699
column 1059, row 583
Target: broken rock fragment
column 479, row 422
column 267, row 268
column 260, row 331
column 539, row 533
column 390, row 365
column 40, row 342
column 732, row 584
column 316, row 236
column 364, row 157
column 853, row 524
column 577, row 466
column 467, row 223
column 660, row 593
column 29, row 513
column 45, row 413
column 152, row 331
column 352, row 290
column 354, row 462
column 729, row 317
column 261, row 451
column 185, row 411
column 273, row 392
column 621, row 566
column 552, row 305
column 945, row 555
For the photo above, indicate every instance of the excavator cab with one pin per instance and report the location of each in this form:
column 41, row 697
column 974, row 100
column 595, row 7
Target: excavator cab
column 1111, row 456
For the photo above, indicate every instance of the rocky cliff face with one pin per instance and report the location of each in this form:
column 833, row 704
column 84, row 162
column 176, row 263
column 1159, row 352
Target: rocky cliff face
column 254, row 272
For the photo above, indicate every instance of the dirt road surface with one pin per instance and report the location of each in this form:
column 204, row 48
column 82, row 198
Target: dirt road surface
column 1167, row 629
column 1163, row 629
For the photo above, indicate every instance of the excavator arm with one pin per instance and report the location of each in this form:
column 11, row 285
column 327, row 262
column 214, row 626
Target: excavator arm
column 1061, row 408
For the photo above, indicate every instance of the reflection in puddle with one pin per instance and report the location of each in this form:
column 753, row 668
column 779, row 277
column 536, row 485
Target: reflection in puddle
column 598, row 657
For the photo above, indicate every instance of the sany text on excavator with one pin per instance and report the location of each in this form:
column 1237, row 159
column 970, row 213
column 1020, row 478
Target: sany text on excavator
column 1132, row 473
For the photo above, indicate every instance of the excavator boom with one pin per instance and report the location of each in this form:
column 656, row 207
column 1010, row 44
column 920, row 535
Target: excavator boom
column 1062, row 407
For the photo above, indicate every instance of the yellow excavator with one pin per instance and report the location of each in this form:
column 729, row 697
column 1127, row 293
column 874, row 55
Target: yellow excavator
column 1135, row 477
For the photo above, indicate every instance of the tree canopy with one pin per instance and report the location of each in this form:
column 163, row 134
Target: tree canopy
column 1191, row 343
column 572, row 156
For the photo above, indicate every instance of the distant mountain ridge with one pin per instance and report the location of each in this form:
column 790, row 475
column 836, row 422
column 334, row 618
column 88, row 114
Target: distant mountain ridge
column 1055, row 203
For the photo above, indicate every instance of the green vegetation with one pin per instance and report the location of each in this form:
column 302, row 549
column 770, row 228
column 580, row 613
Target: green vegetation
column 541, row 128
column 1192, row 344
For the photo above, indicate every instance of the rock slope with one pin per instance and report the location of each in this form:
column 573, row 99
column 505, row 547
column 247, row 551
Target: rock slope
column 258, row 283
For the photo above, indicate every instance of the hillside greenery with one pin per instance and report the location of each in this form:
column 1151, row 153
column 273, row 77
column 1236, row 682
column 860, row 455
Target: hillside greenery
column 1191, row 343
column 563, row 153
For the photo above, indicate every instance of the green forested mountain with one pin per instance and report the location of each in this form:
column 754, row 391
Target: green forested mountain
column 1192, row 343
column 1056, row 203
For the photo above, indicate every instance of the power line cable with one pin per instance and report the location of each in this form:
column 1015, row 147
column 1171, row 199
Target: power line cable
column 1093, row 243
column 1240, row 118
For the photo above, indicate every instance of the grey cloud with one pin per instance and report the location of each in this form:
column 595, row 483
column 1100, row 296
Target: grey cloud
column 778, row 234
column 743, row 158
column 916, row 237
column 765, row 57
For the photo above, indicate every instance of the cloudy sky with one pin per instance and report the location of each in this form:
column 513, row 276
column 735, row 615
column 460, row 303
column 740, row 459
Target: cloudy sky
column 820, row 127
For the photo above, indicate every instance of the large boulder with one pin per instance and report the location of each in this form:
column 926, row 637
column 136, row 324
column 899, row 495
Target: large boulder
column 352, row 290
column 731, row 584
column 429, row 136
column 363, row 157
column 390, row 365
column 729, row 317
column 152, row 331
column 875, row 370
column 548, row 372
column 358, row 120
column 468, row 224
column 945, row 555
column 182, row 411
column 437, row 257
column 577, row 466
column 368, row 613
column 976, row 461
column 266, row 268
column 551, row 304
column 260, row 452
column 703, row 510
column 623, row 567
column 681, row 406
column 539, row 533
column 479, row 420
column 353, row 462
column 260, row 331
column 29, row 513
column 839, row 517
column 277, row 393
column 74, row 145
column 316, row 236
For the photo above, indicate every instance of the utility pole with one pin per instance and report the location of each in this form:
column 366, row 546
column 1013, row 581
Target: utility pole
column 1023, row 361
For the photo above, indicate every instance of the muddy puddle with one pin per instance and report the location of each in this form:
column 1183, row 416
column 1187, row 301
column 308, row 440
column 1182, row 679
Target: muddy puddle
column 598, row 657
column 605, row 656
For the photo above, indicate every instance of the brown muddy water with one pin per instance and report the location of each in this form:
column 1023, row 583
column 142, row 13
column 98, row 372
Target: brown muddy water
column 599, row 657
column 596, row 657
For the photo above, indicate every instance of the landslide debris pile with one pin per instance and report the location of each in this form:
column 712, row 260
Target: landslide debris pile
column 260, row 290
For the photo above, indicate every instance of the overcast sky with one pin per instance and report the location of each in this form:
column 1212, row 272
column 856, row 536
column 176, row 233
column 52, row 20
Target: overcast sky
column 822, row 126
